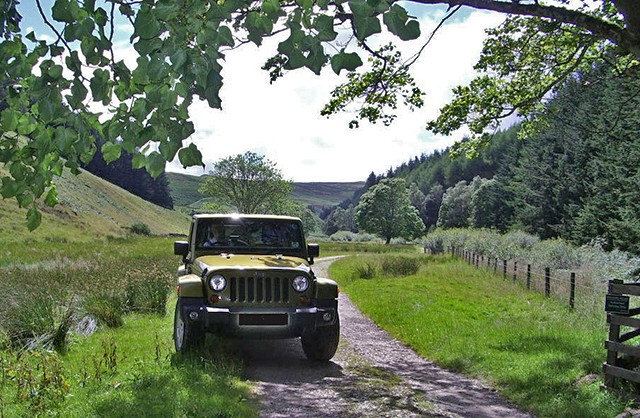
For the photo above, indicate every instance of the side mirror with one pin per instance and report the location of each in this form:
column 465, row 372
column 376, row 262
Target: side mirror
column 313, row 250
column 181, row 248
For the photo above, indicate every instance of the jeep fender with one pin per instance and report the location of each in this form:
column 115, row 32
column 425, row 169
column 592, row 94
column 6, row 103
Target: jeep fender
column 190, row 286
column 326, row 289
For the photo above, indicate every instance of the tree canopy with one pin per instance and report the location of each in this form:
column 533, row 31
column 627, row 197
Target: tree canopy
column 57, row 90
column 248, row 182
column 385, row 209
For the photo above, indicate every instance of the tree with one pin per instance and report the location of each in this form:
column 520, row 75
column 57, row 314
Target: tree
column 248, row 182
column 455, row 210
column 490, row 205
column 340, row 220
column 48, row 114
column 386, row 210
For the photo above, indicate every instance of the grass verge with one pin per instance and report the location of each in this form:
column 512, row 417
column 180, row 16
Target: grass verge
column 529, row 347
column 131, row 371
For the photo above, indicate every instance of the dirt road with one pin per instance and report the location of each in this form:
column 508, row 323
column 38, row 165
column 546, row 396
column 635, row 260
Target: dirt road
column 372, row 375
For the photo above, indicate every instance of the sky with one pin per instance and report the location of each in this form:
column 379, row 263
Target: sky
column 282, row 120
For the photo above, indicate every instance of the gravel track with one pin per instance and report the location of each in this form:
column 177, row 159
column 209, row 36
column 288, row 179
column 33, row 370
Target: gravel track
column 371, row 375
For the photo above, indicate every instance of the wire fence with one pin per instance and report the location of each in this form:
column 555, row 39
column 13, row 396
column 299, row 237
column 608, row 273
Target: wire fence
column 576, row 288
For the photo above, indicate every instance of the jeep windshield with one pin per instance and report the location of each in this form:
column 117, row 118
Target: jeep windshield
column 249, row 235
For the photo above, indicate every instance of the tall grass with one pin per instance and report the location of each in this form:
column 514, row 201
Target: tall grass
column 530, row 347
column 45, row 299
column 124, row 367
column 593, row 264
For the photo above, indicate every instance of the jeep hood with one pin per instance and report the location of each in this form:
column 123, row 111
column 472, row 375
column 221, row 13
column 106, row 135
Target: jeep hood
column 252, row 261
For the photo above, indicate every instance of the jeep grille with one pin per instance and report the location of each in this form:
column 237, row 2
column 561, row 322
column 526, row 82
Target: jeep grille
column 266, row 289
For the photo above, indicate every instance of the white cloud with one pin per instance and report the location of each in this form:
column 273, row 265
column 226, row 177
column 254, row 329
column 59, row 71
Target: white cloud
column 283, row 122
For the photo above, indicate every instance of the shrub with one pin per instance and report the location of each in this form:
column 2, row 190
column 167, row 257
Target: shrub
column 140, row 229
column 366, row 269
column 400, row 266
column 348, row 236
column 107, row 309
column 434, row 243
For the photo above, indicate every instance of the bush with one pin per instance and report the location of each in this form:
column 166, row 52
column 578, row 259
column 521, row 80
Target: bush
column 400, row 266
column 140, row 229
column 366, row 269
column 107, row 309
column 434, row 243
column 348, row 236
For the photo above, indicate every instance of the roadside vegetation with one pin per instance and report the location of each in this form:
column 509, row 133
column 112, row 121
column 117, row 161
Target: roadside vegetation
column 86, row 332
column 531, row 348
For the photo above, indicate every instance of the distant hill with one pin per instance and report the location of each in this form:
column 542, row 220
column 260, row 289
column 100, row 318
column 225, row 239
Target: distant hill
column 89, row 208
column 184, row 190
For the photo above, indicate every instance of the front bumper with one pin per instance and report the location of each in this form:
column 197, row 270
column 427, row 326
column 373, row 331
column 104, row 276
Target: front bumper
column 259, row 322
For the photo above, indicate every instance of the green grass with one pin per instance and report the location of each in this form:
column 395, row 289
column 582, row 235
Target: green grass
column 529, row 347
column 131, row 371
column 90, row 209
column 128, row 367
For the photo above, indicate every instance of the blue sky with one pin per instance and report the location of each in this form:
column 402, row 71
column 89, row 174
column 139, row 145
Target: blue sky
column 282, row 120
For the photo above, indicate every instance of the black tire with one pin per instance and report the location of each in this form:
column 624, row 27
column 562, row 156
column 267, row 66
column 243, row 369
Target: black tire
column 186, row 335
column 321, row 344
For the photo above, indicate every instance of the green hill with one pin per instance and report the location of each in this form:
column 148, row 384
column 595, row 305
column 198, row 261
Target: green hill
column 184, row 190
column 89, row 208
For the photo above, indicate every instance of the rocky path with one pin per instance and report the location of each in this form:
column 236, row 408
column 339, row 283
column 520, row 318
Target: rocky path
column 372, row 375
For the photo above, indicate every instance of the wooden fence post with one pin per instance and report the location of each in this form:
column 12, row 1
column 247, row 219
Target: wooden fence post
column 547, row 281
column 528, row 276
column 572, row 292
column 504, row 268
column 515, row 271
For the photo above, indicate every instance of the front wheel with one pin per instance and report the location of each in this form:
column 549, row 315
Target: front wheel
column 321, row 344
column 186, row 336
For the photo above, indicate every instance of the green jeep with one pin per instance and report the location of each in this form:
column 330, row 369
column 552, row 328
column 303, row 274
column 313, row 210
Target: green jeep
column 249, row 276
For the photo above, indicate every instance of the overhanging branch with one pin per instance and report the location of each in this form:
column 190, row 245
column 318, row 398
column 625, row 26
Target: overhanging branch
column 601, row 28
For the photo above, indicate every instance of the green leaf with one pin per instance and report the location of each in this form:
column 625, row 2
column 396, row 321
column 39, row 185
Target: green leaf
column 345, row 60
column 100, row 86
column 111, row 151
column 366, row 27
column 167, row 10
column 155, row 164
column 190, row 156
column 324, row 26
column 396, row 21
column 225, row 36
column 9, row 187
column 272, row 8
column 26, row 124
column 138, row 160
column 34, row 218
column 64, row 139
column 146, row 26
column 316, row 59
column 169, row 148
column 365, row 21
column 65, row 11
column 212, row 90
column 178, row 59
column 9, row 120
column 258, row 25
column 51, row 199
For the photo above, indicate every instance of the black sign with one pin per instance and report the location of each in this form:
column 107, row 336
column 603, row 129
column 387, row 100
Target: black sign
column 617, row 304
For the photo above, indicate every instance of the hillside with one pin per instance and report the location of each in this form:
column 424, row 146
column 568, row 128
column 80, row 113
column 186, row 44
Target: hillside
column 184, row 190
column 89, row 208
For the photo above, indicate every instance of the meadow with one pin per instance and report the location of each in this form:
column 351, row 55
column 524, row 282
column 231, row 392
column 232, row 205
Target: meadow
column 536, row 352
column 86, row 332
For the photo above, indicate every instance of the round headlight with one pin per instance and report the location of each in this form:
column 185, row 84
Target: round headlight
column 300, row 283
column 217, row 283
